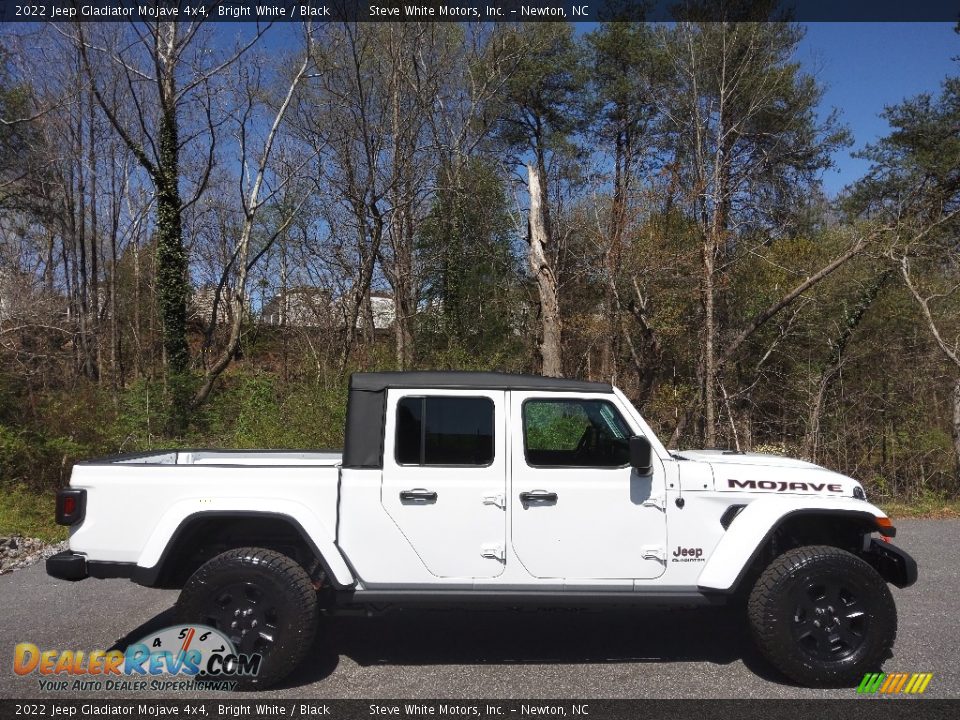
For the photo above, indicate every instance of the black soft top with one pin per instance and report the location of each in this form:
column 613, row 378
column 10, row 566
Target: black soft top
column 456, row 380
column 367, row 402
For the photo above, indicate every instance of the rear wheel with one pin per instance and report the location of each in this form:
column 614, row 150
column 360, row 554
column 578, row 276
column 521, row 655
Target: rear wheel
column 262, row 600
column 823, row 616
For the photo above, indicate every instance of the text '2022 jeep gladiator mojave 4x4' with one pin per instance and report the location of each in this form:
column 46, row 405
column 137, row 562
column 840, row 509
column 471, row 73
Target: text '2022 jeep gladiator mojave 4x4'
column 459, row 488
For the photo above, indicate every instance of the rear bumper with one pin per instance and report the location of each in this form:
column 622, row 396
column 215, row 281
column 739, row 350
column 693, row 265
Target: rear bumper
column 67, row 565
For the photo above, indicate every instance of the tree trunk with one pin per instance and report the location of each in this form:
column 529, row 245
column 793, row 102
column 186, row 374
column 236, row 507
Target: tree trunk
column 116, row 337
column 956, row 424
column 610, row 344
column 541, row 266
column 171, row 278
column 94, row 306
column 171, row 274
column 238, row 296
column 829, row 370
column 400, row 273
column 709, row 345
column 171, row 255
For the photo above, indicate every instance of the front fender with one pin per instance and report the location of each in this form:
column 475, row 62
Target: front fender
column 753, row 526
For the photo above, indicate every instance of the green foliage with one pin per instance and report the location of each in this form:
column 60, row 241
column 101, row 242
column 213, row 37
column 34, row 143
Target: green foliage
column 774, row 141
column 15, row 137
column 258, row 411
column 471, row 277
column 920, row 158
column 28, row 513
column 544, row 101
column 630, row 71
column 927, row 506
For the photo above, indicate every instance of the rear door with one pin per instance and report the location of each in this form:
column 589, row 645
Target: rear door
column 444, row 478
column 578, row 510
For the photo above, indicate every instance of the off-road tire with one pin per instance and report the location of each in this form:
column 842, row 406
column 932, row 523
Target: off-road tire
column 837, row 590
column 275, row 589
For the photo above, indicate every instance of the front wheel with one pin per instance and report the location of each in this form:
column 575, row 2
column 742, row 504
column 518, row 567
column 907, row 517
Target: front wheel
column 822, row 616
column 262, row 600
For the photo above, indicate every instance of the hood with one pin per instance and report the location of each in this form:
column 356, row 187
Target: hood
column 757, row 473
column 728, row 457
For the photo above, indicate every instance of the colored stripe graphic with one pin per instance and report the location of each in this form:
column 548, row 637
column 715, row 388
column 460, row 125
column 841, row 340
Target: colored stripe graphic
column 889, row 682
column 871, row 682
column 894, row 683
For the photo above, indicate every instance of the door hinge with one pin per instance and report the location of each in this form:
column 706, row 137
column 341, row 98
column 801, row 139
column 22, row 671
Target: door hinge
column 498, row 499
column 657, row 501
column 653, row 552
column 494, row 552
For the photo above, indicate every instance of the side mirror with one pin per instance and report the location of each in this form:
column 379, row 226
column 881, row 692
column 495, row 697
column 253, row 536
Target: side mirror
column 640, row 454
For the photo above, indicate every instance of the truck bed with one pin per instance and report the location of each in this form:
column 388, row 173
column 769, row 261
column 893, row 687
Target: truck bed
column 254, row 458
column 144, row 497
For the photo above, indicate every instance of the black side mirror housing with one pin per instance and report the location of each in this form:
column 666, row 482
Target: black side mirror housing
column 641, row 454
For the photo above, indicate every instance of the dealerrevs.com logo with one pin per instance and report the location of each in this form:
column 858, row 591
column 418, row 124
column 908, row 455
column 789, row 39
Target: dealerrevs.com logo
column 197, row 656
column 894, row 683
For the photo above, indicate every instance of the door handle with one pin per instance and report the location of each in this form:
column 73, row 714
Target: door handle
column 418, row 495
column 538, row 496
column 495, row 500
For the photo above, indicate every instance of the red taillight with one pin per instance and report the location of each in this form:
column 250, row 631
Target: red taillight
column 71, row 505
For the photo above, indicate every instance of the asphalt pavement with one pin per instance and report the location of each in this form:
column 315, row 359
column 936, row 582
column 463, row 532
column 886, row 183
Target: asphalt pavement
column 504, row 654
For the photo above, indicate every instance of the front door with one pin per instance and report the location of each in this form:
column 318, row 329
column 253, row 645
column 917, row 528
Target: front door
column 578, row 510
column 444, row 478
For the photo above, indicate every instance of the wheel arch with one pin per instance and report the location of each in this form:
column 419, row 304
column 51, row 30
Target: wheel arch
column 202, row 535
column 752, row 541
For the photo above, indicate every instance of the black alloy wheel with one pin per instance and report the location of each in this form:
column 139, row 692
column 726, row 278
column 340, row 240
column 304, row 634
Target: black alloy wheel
column 829, row 621
column 263, row 601
column 822, row 616
column 247, row 614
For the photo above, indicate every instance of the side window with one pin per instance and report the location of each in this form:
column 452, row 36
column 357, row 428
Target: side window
column 574, row 433
column 444, row 431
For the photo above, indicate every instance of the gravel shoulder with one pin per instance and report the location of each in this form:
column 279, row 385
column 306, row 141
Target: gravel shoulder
column 17, row 551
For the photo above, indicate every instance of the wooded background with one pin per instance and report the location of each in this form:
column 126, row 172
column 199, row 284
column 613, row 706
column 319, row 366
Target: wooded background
column 200, row 230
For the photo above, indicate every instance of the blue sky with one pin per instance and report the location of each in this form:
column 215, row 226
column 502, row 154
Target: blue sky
column 867, row 66
column 864, row 67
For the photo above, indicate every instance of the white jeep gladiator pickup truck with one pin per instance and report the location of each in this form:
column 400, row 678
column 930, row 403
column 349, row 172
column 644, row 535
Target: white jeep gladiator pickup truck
column 460, row 488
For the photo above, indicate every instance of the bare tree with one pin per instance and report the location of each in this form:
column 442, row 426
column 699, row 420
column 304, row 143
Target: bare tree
column 145, row 81
column 950, row 350
column 838, row 346
column 415, row 58
column 734, row 118
column 543, row 270
column 255, row 193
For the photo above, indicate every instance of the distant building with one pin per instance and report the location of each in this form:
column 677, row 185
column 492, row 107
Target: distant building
column 200, row 307
column 305, row 306
column 6, row 294
column 301, row 306
column 383, row 309
column 18, row 295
